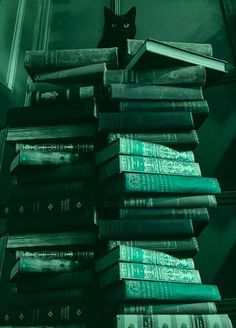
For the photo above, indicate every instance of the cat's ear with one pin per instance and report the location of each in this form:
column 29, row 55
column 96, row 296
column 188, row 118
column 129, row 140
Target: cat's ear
column 108, row 13
column 131, row 13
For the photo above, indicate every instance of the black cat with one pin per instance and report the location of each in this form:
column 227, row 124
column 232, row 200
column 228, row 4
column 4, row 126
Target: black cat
column 117, row 29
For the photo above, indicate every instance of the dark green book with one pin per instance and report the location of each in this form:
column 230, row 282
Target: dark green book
column 197, row 201
column 147, row 272
column 80, row 148
column 154, row 183
column 59, row 207
column 183, row 76
column 144, row 229
column 84, row 74
column 83, row 277
column 146, row 122
column 166, row 292
column 172, row 320
column 124, row 253
column 56, row 254
column 154, row 53
column 51, row 60
column 29, row 266
column 152, row 92
column 187, row 247
column 64, row 173
column 185, row 308
column 185, row 140
column 137, row 164
column 77, row 239
column 123, row 146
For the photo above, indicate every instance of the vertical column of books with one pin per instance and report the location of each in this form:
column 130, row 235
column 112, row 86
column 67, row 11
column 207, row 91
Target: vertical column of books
column 50, row 216
column 152, row 197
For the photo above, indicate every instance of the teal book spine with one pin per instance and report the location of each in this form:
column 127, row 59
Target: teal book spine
column 152, row 183
column 140, row 271
column 172, row 321
column 138, row 164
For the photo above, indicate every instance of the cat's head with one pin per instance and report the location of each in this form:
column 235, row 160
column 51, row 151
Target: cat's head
column 123, row 26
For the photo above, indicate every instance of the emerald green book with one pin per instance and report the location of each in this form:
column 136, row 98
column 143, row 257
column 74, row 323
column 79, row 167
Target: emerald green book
column 166, row 292
column 172, row 320
column 124, row 253
column 140, row 271
column 147, row 165
column 124, row 146
column 156, row 183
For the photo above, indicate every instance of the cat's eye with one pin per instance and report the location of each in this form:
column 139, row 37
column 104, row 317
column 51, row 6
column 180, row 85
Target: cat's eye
column 126, row 25
column 114, row 25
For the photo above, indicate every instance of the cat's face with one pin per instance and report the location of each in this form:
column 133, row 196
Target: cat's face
column 120, row 27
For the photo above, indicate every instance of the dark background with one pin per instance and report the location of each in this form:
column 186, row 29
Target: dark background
column 62, row 24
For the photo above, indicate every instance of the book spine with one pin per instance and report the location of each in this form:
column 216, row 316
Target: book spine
column 191, row 75
column 173, row 321
column 138, row 182
column 144, row 228
column 191, row 308
column 78, row 148
column 129, row 91
column 135, row 254
column 139, row 148
column 148, row 165
column 73, row 255
column 173, row 202
column 150, row 290
column 59, row 96
column 139, row 271
column 109, row 122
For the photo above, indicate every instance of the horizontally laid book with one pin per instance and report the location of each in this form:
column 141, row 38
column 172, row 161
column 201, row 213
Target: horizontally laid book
column 124, row 253
column 154, row 53
column 140, row 148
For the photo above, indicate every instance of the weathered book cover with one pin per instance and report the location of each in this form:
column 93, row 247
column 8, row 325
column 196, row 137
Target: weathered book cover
column 139, row 148
column 78, row 147
column 126, row 253
column 140, row 271
column 172, row 320
column 146, row 122
column 145, row 229
column 138, row 164
column 166, row 292
column 56, row 254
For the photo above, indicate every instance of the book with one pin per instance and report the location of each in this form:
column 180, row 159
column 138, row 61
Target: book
column 84, row 131
column 92, row 73
column 152, row 92
column 50, row 315
column 48, row 60
column 39, row 266
column 183, row 76
column 146, row 122
column 154, row 53
column 197, row 201
column 84, row 112
column 185, row 308
column 185, row 140
column 166, row 292
column 147, row 165
column 145, row 229
column 124, row 253
column 187, row 247
column 172, row 320
column 50, row 86
column 201, row 48
column 125, row 146
column 40, row 158
column 56, row 189
column 154, row 183
column 46, row 207
column 81, row 238
column 56, row 254
column 55, row 173
column 147, row 272
column 65, row 280
column 68, row 147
